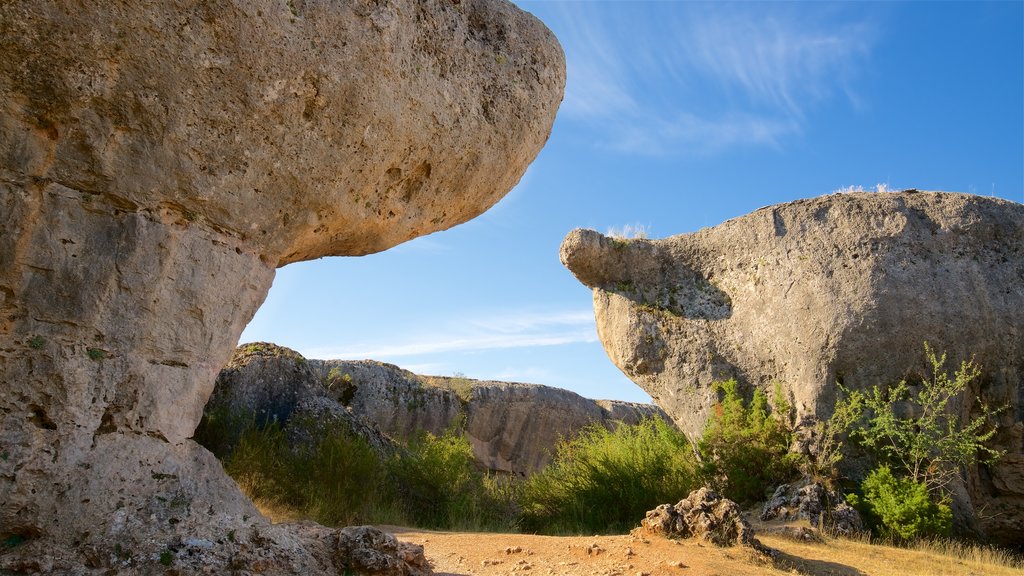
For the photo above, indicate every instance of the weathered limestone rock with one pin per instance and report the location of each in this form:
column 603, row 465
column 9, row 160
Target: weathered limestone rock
column 821, row 507
column 702, row 514
column 157, row 162
column 512, row 427
column 396, row 401
column 839, row 288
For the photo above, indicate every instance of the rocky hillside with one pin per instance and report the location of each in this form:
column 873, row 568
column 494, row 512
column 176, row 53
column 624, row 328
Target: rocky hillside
column 512, row 427
column 842, row 289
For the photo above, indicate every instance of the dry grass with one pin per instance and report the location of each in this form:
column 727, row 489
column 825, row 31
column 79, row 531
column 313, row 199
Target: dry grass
column 880, row 188
column 850, row 557
column 628, row 232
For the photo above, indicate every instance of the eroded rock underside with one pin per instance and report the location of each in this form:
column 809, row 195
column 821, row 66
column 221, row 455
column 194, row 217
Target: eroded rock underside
column 842, row 288
column 158, row 161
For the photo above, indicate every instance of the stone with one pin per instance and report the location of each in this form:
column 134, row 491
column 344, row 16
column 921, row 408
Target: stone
column 702, row 514
column 263, row 380
column 842, row 288
column 820, row 507
column 368, row 550
column 158, row 161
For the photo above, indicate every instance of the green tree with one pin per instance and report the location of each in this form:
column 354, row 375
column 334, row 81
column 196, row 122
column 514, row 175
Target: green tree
column 823, row 464
column 930, row 444
column 745, row 448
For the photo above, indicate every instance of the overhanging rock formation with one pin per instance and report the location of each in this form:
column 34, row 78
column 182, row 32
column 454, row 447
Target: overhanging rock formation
column 158, row 161
column 841, row 288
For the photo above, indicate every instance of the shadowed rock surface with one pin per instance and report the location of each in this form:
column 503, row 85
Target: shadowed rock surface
column 157, row 162
column 842, row 288
column 512, row 427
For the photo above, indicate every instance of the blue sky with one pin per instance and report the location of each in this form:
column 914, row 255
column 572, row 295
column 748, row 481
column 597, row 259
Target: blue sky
column 676, row 116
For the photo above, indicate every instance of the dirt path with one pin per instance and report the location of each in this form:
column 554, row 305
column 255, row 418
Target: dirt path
column 463, row 553
column 454, row 553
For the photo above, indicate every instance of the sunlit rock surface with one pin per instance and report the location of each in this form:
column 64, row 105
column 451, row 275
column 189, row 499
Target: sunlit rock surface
column 842, row 288
column 157, row 162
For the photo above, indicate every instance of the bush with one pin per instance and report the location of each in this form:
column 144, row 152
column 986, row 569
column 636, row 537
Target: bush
column 745, row 450
column 605, row 481
column 900, row 508
column 340, row 480
column 441, row 486
column 337, row 481
column 931, row 445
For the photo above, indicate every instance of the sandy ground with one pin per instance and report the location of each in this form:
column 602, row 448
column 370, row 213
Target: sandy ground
column 462, row 553
column 454, row 553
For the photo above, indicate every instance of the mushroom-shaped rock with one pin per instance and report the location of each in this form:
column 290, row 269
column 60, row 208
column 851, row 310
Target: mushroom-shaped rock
column 842, row 288
column 158, row 161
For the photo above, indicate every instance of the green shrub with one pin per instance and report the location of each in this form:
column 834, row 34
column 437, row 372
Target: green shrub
column 343, row 481
column 440, row 485
column 932, row 444
column 745, row 450
column 900, row 508
column 604, row 481
column 220, row 430
column 340, row 480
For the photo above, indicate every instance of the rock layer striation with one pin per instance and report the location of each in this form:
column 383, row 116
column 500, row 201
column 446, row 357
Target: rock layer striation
column 158, row 161
column 842, row 288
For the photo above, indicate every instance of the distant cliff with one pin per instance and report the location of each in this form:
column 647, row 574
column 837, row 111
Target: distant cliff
column 512, row 427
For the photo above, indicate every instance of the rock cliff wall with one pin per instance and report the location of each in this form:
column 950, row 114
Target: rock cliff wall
column 157, row 162
column 842, row 288
column 512, row 427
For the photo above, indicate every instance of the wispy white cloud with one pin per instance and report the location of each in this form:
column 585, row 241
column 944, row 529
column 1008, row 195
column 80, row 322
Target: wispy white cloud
column 786, row 59
column 702, row 77
column 510, row 330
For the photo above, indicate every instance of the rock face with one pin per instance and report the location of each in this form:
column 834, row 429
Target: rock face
column 843, row 288
column 512, row 427
column 157, row 162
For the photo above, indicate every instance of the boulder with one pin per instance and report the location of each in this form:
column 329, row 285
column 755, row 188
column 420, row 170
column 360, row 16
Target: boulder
column 158, row 161
column 845, row 289
column 368, row 550
column 702, row 514
column 819, row 506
